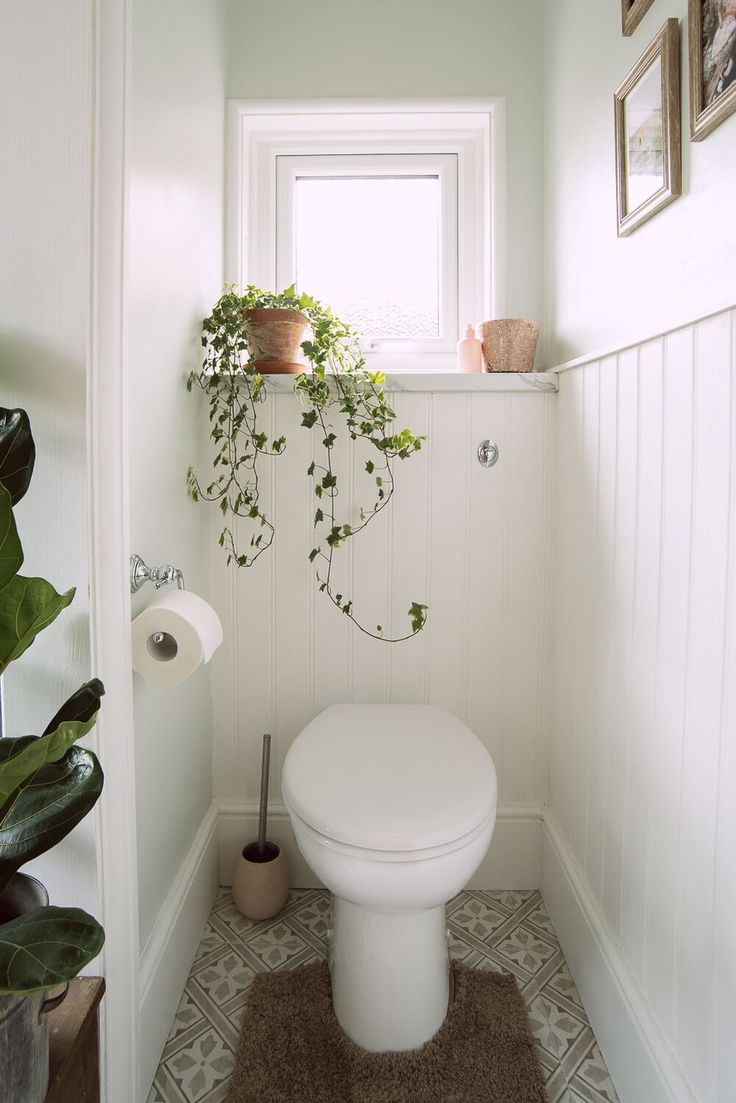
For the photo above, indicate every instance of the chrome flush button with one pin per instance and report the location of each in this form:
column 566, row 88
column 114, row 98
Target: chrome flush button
column 487, row 453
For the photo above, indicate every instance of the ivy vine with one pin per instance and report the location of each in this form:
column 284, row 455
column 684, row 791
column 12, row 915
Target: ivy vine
column 336, row 382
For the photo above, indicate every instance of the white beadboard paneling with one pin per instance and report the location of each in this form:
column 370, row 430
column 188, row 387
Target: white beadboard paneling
column 254, row 636
column 636, row 841
column 293, row 513
column 410, row 552
column 331, row 636
column 669, row 677
column 641, row 586
column 467, row 541
column 724, row 944
column 513, row 859
column 370, row 578
column 703, row 701
column 487, row 547
column 450, row 449
column 600, row 677
column 521, row 640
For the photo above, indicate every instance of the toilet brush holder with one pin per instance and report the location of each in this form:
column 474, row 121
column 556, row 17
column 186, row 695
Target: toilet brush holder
column 261, row 874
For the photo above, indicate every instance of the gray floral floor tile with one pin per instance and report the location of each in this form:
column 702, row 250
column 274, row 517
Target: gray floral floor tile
column 507, row 931
column 553, row 1028
column 202, row 1065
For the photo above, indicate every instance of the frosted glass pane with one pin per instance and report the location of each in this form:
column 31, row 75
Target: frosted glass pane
column 370, row 248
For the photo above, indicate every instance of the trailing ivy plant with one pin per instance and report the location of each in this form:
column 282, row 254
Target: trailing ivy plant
column 335, row 384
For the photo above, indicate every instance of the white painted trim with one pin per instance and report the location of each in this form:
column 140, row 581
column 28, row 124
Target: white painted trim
column 613, row 350
column 369, row 105
column 171, row 947
column 438, row 382
column 445, row 161
column 639, row 1059
column 513, row 859
column 107, row 431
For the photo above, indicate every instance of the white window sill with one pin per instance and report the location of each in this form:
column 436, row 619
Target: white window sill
column 428, row 382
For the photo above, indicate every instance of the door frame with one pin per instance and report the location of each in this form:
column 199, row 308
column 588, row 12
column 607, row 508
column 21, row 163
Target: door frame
column 107, row 434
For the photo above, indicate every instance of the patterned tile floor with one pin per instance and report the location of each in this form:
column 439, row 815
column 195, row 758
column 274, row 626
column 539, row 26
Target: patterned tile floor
column 508, row 931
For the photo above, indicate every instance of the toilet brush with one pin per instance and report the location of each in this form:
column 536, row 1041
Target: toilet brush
column 261, row 876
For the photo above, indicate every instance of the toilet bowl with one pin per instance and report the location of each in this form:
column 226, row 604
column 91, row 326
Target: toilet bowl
column 393, row 808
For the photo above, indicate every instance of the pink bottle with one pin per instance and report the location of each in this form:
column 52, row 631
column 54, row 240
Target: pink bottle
column 469, row 354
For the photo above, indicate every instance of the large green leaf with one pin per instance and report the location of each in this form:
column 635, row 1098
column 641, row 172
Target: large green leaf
column 37, row 752
column 82, row 704
column 27, row 605
column 17, row 452
column 46, row 947
column 46, row 806
column 11, row 552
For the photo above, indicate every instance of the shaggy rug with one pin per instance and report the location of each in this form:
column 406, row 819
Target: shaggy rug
column 293, row 1051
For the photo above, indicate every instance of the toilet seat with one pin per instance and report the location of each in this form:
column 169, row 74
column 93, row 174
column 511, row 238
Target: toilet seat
column 390, row 782
column 369, row 855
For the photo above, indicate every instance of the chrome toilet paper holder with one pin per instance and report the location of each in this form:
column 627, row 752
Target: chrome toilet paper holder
column 140, row 574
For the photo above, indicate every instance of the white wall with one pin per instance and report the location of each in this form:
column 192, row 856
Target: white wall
column 416, row 48
column 173, row 273
column 639, row 870
column 643, row 760
column 46, row 103
column 600, row 290
column 467, row 541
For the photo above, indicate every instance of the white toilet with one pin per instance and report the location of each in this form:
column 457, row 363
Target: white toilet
column 393, row 807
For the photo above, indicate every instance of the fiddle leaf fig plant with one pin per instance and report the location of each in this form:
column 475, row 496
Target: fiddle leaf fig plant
column 47, row 782
column 338, row 394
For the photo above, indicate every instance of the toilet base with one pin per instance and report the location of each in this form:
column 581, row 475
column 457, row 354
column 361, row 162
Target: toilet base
column 390, row 975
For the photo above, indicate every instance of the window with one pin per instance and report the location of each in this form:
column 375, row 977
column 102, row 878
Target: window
column 385, row 215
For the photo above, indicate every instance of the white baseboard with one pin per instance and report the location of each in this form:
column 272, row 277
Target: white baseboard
column 512, row 861
column 640, row 1061
column 169, row 952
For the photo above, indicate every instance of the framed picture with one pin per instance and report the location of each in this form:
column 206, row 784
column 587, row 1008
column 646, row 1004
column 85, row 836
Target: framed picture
column 712, row 47
column 647, row 107
column 632, row 13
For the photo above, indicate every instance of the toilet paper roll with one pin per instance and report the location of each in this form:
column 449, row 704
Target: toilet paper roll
column 174, row 635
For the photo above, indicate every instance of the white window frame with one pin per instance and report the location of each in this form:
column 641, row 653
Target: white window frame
column 263, row 133
column 444, row 167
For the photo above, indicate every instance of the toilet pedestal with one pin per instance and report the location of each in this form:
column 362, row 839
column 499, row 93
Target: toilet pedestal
column 390, row 975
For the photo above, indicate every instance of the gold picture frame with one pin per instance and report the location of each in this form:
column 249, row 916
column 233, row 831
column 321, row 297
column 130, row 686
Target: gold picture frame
column 647, row 125
column 632, row 13
column 712, row 52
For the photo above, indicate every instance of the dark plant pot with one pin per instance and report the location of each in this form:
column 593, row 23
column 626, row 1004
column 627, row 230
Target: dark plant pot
column 260, row 881
column 274, row 339
column 24, row 1038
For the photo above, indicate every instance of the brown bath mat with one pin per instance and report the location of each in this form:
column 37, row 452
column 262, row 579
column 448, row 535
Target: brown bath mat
column 293, row 1051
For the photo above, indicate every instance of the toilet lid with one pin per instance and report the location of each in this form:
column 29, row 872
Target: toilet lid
column 389, row 777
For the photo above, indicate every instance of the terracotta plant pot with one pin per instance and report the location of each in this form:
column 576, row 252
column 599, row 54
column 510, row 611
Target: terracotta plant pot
column 260, row 881
column 509, row 344
column 274, row 339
